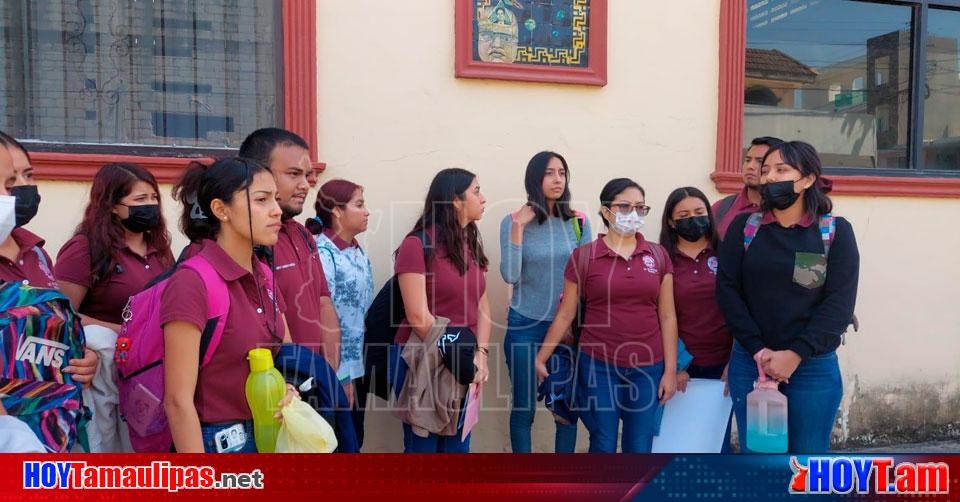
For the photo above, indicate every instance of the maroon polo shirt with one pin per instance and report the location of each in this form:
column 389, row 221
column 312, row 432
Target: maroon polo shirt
column 28, row 268
column 105, row 301
column 741, row 205
column 220, row 395
column 621, row 325
column 702, row 326
column 301, row 281
column 449, row 294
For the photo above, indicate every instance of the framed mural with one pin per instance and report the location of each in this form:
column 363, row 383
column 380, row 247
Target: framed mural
column 560, row 41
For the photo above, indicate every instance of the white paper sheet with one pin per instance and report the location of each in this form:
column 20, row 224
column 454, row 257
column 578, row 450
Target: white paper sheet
column 694, row 421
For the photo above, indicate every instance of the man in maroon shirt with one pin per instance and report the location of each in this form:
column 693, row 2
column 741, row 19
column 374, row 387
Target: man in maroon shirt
column 299, row 276
column 748, row 199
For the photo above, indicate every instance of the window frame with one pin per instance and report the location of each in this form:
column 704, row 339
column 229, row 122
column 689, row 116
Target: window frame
column 80, row 162
column 917, row 181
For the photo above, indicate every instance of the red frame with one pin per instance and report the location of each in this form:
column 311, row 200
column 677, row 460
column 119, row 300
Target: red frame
column 299, row 102
column 726, row 175
column 594, row 74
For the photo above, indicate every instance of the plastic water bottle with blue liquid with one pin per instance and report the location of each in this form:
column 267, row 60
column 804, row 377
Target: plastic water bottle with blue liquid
column 766, row 416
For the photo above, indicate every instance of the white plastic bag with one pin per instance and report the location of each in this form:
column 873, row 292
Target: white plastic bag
column 303, row 430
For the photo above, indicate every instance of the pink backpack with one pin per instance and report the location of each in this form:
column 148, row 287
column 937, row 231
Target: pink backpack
column 139, row 354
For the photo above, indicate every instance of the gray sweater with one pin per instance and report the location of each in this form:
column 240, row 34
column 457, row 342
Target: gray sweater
column 535, row 269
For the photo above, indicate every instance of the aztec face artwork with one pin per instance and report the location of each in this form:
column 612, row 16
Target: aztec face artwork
column 531, row 32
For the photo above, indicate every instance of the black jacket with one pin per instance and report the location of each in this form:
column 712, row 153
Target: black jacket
column 762, row 295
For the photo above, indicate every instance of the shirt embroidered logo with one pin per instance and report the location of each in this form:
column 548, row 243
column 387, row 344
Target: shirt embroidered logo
column 712, row 263
column 649, row 264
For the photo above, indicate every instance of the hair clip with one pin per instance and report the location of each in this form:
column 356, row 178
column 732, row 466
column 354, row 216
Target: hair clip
column 196, row 213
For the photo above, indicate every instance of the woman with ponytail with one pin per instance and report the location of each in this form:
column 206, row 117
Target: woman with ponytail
column 341, row 216
column 229, row 208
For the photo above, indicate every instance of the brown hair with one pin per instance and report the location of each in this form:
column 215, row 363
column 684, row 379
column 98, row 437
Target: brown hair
column 334, row 193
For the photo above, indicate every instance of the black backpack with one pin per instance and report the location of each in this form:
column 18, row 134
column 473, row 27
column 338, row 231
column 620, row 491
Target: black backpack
column 385, row 315
column 725, row 204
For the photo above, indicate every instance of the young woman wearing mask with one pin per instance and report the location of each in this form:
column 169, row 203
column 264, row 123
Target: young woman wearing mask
column 689, row 234
column 627, row 365
column 121, row 244
column 787, row 285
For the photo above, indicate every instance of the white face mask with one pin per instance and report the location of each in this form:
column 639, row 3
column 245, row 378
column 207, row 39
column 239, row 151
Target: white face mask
column 8, row 215
column 628, row 224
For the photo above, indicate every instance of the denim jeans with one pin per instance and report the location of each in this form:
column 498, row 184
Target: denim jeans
column 209, row 432
column 520, row 346
column 813, row 398
column 713, row 373
column 607, row 394
column 412, row 443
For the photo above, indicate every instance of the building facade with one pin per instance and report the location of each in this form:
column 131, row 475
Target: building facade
column 372, row 86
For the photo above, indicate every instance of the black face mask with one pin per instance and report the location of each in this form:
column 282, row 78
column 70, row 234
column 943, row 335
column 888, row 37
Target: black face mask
column 28, row 202
column 779, row 195
column 142, row 218
column 693, row 228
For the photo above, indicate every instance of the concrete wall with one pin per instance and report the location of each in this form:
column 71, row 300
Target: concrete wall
column 392, row 114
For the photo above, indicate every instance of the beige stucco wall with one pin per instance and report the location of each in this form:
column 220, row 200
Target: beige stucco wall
column 391, row 114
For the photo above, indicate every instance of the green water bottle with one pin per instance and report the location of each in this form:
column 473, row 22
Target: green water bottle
column 265, row 388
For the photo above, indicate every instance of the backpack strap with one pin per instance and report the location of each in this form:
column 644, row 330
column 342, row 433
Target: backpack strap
column 311, row 244
column 579, row 221
column 218, row 304
column 44, row 264
column 427, row 247
column 725, row 204
column 828, row 230
column 183, row 254
column 750, row 229
column 583, row 267
column 333, row 259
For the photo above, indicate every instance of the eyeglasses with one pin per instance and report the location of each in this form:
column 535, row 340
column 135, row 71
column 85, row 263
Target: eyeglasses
column 624, row 208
